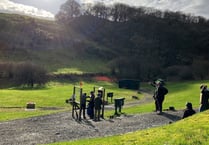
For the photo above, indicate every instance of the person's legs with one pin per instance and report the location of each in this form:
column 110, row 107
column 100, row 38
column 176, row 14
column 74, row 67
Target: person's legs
column 84, row 111
column 92, row 113
column 160, row 106
column 99, row 115
column 95, row 115
column 160, row 102
column 156, row 105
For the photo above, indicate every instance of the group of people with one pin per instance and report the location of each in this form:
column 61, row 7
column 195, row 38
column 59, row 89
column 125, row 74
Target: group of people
column 204, row 102
column 94, row 105
column 161, row 91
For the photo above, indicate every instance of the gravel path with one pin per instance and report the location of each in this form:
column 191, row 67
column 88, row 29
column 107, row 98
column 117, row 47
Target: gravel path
column 62, row 127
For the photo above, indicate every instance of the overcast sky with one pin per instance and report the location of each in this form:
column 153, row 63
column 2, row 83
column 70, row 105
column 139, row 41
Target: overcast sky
column 47, row 8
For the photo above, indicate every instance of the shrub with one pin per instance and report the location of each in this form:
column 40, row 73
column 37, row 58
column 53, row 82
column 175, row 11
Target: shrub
column 201, row 69
column 179, row 72
column 29, row 74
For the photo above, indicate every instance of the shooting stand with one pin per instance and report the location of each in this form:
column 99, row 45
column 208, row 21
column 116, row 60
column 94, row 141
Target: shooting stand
column 109, row 95
column 119, row 102
column 75, row 104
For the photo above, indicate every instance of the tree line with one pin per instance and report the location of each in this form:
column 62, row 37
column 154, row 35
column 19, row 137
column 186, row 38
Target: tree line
column 23, row 73
column 119, row 12
column 143, row 43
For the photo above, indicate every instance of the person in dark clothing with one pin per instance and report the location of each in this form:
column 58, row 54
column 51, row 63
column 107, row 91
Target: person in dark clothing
column 159, row 97
column 204, row 97
column 90, row 108
column 83, row 106
column 97, row 106
column 188, row 111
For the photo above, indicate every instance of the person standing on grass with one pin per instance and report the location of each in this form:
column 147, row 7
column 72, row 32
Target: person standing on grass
column 189, row 110
column 159, row 97
column 204, row 97
column 97, row 106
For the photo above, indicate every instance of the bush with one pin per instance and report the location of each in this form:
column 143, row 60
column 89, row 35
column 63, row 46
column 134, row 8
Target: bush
column 186, row 73
column 6, row 70
column 201, row 69
column 179, row 72
column 29, row 74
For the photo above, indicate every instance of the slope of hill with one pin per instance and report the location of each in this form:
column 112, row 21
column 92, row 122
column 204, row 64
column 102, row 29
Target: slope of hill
column 46, row 43
column 143, row 47
column 148, row 46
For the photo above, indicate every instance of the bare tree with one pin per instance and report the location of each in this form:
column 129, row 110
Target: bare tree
column 100, row 10
column 120, row 12
column 69, row 10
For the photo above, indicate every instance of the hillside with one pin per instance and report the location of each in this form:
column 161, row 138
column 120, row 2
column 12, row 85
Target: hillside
column 144, row 47
column 148, row 46
column 45, row 43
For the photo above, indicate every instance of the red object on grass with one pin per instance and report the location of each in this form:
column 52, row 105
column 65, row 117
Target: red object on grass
column 103, row 78
column 81, row 84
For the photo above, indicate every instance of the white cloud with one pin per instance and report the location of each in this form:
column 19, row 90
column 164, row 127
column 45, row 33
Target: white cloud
column 48, row 5
column 47, row 8
column 8, row 6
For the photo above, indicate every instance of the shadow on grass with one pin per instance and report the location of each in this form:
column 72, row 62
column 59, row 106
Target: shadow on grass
column 10, row 84
column 25, row 88
column 171, row 116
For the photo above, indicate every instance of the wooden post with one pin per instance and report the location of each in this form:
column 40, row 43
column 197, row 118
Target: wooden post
column 81, row 92
column 74, row 90
column 103, row 103
column 73, row 103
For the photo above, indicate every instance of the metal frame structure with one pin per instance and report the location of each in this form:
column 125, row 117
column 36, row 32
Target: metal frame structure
column 76, row 105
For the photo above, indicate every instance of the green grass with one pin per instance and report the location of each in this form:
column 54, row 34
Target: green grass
column 179, row 94
column 182, row 92
column 69, row 62
column 18, row 113
column 14, row 100
column 190, row 131
column 55, row 94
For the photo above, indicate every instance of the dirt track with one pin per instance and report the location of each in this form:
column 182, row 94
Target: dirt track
column 62, row 127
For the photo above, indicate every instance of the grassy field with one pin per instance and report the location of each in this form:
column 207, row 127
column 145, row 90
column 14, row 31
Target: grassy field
column 189, row 131
column 179, row 94
column 14, row 100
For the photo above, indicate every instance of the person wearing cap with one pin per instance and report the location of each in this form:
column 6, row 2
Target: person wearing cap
column 188, row 111
column 159, row 97
column 204, row 97
column 97, row 107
